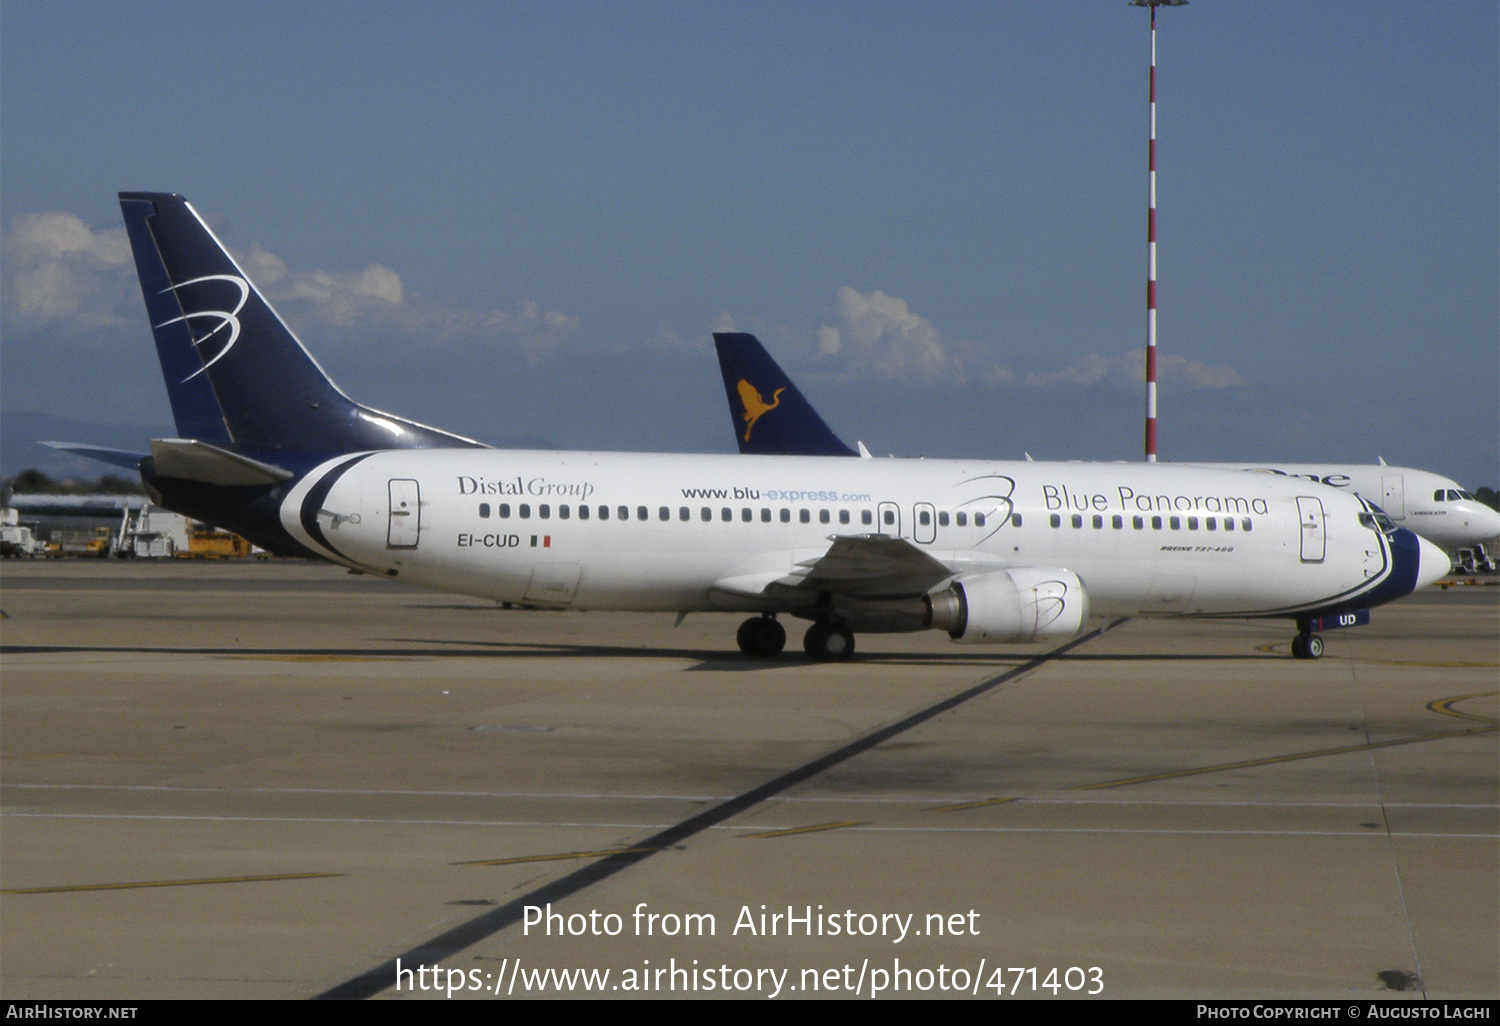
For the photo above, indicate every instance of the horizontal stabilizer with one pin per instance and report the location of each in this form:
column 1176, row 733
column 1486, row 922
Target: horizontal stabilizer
column 198, row 461
column 119, row 457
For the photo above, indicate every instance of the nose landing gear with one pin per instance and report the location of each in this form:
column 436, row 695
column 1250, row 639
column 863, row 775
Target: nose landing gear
column 1307, row 645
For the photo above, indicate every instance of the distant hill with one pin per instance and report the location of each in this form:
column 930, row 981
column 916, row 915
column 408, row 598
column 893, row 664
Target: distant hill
column 20, row 433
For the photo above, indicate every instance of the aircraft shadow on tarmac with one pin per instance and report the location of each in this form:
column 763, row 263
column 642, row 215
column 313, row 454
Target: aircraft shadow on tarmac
column 719, row 661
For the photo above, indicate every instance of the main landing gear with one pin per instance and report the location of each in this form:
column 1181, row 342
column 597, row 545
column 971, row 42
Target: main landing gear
column 1307, row 645
column 826, row 641
column 761, row 637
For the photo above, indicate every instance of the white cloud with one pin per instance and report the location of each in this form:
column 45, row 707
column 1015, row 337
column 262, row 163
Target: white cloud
column 60, row 275
column 1127, row 372
column 63, row 278
column 374, row 300
column 878, row 332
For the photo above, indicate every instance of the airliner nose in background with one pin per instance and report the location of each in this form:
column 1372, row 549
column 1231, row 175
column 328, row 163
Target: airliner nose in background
column 985, row 550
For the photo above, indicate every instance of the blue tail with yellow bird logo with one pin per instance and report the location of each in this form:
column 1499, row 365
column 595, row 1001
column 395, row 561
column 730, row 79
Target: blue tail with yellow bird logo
column 771, row 416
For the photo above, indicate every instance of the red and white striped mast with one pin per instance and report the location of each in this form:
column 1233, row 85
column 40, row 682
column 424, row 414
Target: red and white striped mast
column 1151, row 240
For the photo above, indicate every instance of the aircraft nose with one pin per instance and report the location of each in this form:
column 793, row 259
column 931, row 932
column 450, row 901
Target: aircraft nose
column 1490, row 522
column 1434, row 563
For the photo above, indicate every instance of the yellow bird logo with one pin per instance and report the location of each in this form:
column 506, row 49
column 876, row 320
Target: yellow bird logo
column 755, row 406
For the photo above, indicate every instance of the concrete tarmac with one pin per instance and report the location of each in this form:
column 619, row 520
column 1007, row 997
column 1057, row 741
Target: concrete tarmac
column 276, row 779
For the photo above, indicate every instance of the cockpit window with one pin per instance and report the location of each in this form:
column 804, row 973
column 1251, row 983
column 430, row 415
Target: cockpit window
column 1378, row 521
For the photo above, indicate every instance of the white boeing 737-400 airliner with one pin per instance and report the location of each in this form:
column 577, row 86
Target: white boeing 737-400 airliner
column 987, row 551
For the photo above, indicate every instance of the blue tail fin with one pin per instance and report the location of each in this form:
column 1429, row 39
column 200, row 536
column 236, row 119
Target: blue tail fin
column 236, row 375
column 770, row 415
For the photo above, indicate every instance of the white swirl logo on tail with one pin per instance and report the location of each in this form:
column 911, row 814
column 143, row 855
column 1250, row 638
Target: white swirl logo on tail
column 229, row 318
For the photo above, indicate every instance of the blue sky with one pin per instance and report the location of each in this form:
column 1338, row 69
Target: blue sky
column 521, row 221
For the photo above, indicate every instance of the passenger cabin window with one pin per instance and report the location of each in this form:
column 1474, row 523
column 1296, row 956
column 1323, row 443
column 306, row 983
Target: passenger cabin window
column 786, row 515
column 1192, row 523
column 924, row 518
column 505, row 511
column 823, row 516
column 641, row 513
column 1098, row 522
column 683, row 513
column 484, row 510
column 978, row 519
column 943, row 519
column 765, row 515
column 746, row 515
column 1117, row 522
column 583, row 512
column 525, row 509
column 961, row 519
column 562, row 512
column 865, row 518
column 1056, row 520
column 843, row 516
column 1175, row 523
column 1077, row 519
column 1015, row 520
column 664, row 514
column 889, row 517
column 804, row 516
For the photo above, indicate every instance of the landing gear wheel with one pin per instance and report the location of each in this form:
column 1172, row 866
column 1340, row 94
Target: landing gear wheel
column 761, row 636
column 828, row 642
column 1307, row 646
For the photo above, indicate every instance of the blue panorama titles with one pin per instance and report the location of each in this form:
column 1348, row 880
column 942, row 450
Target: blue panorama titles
column 1060, row 497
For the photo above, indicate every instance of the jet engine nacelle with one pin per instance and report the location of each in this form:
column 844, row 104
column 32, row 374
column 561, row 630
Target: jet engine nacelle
column 1023, row 604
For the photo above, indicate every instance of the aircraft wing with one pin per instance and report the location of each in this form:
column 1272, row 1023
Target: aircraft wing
column 870, row 566
column 864, row 566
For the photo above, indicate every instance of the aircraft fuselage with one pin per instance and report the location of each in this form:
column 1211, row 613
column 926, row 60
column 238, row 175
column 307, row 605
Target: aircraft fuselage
column 665, row 532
